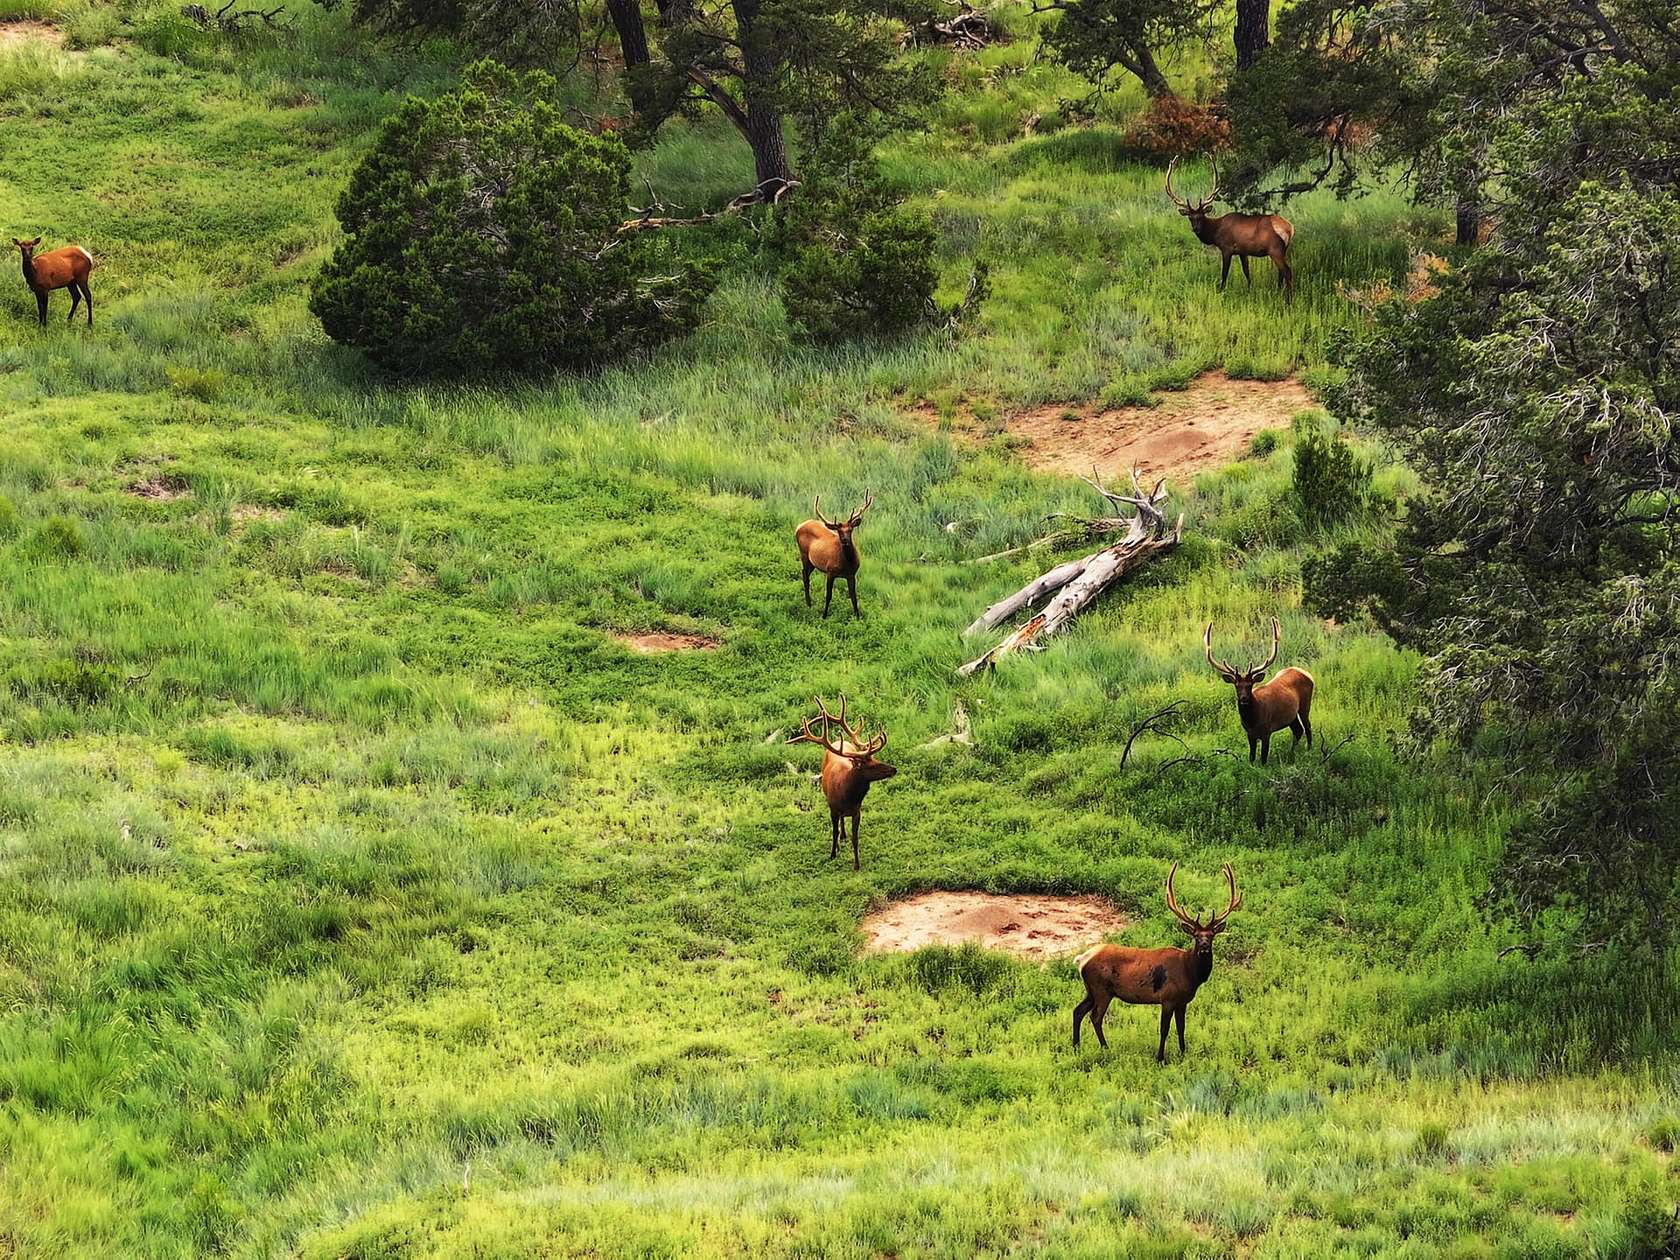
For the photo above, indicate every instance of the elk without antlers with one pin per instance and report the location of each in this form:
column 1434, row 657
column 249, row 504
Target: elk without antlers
column 1237, row 235
column 1285, row 702
column 849, row 767
column 828, row 545
column 1167, row 978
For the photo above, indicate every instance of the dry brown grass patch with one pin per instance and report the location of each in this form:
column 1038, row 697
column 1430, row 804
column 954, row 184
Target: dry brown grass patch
column 1033, row 925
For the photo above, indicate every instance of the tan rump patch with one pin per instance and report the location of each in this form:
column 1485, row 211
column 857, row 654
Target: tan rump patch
column 659, row 641
column 1033, row 925
column 1192, row 430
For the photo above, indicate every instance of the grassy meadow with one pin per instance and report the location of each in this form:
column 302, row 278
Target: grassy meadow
column 363, row 897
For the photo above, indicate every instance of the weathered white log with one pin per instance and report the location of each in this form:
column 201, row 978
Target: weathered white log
column 1078, row 582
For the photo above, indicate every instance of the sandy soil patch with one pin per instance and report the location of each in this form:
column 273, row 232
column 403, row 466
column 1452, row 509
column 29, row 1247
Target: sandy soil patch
column 1031, row 924
column 22, row 32
column 659, row 641
column 1192, row 430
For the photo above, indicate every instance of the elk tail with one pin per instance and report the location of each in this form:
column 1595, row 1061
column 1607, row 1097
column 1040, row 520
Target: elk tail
column 1285, row 229
column 83, row 252
column 1085, row 958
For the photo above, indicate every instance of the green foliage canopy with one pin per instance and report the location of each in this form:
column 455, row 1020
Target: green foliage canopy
column 482, row 235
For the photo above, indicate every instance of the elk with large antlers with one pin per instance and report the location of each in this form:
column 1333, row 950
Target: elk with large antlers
column 827, row 545
column 1285, row 702
column 1236, row 235
column 849, row 767
column 1167, row 978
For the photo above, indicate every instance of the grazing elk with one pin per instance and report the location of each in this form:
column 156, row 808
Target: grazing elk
column 1242, row 236
column 66, row 268
column 1286, row 701
column 849, row 767
column 1167, row 978
column 827, row 545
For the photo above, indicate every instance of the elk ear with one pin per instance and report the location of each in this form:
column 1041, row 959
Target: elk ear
column 32, row 244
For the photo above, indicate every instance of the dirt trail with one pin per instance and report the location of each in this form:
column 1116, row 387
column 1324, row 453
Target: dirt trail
column 1031, row 924
column 27, row 29
column 1192, row 430
column 659, row 641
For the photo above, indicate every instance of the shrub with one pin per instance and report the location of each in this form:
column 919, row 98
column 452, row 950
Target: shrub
column 57, row 538
column 482, row 235
column 1173, row 127
column 852, row 259
column 1331, row 482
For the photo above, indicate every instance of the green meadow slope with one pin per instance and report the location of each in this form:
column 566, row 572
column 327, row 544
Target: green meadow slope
column 363, row 897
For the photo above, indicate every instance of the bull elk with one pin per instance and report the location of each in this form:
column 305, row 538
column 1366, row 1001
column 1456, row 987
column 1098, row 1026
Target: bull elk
column 1167, row 977
column 849, row 767
column 1237, row 235
column 827, row 545
column 1285, row 702
column 66, row 268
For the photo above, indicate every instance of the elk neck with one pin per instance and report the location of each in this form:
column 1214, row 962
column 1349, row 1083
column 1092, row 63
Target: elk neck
column 28, row 270
column 1201, row 964
column 1205, row 228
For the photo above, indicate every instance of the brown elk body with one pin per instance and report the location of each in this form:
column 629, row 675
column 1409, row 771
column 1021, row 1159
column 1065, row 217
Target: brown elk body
column 849, row 767
column 1240, row 236
column 1284, row 703
column 1167, row 978
column 827, row 546
column 66, row 268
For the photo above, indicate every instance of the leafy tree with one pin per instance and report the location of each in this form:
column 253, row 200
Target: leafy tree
column 1094, row 38
column 481, row 234
column 1537, row 395
column 852, row 259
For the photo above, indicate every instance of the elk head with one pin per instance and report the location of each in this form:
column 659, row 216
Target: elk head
column 1243, row 680
column 28, row 247
column 1195, row 211
column 852, row 745
column 843, row 528
column 1203, row 933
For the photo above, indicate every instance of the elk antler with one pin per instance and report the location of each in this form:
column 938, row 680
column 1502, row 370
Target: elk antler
column 1213, row 161
column 1220, row 667
column 1194, row 925
column 816, row 506
column 1174, row 197
column 1236, row 897
column 1277, row 636
column 868, row 498
column 851, row 745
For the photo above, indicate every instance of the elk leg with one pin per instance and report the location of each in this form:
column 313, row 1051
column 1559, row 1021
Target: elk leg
column 1252, row 742
column 1265, row 748
column 806, row 578
column 1286, row 278
column 1099, row 1009
column 41, row 302
column 836, row 824
column 828, row 598
column 1225, row 273
column 1166, row 1023
column 856, row 815
column 1247, row 279
column 1178, row 1018
column 1306, row 725
column 1079, row 1014
column 87, row 296
column 75, row 301
column 1296, row 729
column 851, row 585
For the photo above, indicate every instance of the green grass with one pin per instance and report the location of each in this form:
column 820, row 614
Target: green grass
column 363, row 898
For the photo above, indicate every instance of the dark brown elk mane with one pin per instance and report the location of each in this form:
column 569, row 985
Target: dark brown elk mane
column 1238, row 235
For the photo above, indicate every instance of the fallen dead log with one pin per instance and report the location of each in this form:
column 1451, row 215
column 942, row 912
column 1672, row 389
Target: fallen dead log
column 653, row 217
column 1078, row 582
column 968, row 29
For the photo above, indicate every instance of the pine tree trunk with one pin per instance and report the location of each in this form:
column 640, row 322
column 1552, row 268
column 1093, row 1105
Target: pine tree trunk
column 763, row 127
column 632, row 34
column 1467, row 215
column 1253, row 31
column 1148, row 73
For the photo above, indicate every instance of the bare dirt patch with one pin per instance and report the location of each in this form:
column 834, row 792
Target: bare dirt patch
column 660, row 641
column 26, row 30
column 1030, row 924
column 1190, row 431
column 160, row 488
